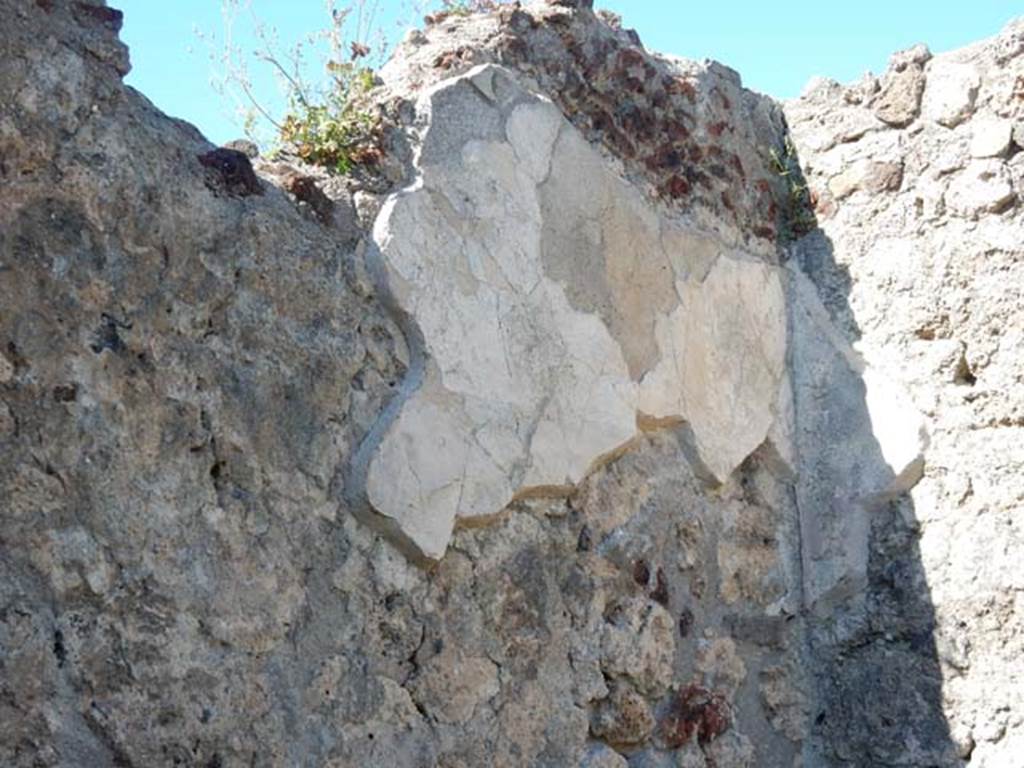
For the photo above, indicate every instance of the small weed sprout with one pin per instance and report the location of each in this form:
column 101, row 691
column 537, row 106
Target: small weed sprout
column 799, row 212
column 468, row 7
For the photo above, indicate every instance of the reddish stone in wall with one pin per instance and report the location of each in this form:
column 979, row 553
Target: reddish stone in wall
column 694, row 711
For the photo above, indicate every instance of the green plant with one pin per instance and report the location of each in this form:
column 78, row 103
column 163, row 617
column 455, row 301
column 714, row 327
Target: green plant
column 338, row 131
column 327, row 118
column 467, row 7
column 798, row 212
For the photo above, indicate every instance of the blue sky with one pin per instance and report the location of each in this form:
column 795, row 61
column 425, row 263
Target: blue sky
column 776, row 46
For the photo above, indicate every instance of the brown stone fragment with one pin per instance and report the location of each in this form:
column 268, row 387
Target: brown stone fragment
column 229, row 173
column 660, row 592
column 676, row 187
column 694, row 711
column 623, row 718
column 306, row 189
column 899, row 101
column 641, row 572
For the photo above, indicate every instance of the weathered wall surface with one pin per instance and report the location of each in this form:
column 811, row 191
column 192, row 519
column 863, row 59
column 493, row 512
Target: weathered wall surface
column 691, row 492
column 920, row 258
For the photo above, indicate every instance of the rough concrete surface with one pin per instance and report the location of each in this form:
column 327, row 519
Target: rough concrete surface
column 574, row 435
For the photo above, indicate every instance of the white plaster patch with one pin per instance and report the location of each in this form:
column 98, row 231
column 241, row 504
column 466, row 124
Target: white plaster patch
column 551, row 317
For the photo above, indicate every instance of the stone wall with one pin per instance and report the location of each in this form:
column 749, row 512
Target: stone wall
column 919, row 259
column 571, row 436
